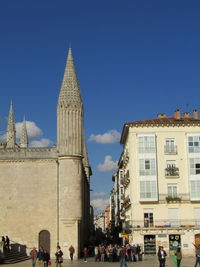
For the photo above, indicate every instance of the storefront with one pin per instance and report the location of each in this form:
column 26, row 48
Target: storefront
column 174, row 243
column 150, row 244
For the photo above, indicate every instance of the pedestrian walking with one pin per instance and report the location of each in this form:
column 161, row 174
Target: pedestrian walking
column 59, row 256
column 96, row 253
column 3, row 243
column 46, row 258
column 85, row 253
column 7, row 243
column 197, row 248
column 71, row 252
column 122, row 257
column 162, row 256
column 33, row 255
column 178, row 255
column 102, row 252
column 40, row 255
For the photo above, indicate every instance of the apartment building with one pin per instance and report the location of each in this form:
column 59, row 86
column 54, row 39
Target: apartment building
column 159, row 176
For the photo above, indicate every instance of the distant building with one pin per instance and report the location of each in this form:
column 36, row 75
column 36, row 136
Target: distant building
column 99, row 221
column 159, row 177
column 107, row 217
column 45, row 191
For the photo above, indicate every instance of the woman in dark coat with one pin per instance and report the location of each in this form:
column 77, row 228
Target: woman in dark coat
column 46, row 258
column 162, row 256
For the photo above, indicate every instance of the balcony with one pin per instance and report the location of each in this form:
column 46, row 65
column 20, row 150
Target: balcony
column 172, row 172
column 183, row 198
column 170, row 150
column 165, row 224
column 126, row 179
column 127, row 203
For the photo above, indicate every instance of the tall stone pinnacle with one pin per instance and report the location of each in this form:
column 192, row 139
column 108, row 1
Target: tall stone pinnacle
column 11, row 132
column 70, row 113
column 70, row 92
column 24, row 135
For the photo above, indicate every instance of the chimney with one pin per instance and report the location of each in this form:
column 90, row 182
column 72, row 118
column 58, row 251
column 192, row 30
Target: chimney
column 177, row 114
column 162, row 115
column 186, row 115
column 195, row 114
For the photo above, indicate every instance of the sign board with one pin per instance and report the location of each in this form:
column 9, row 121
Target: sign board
column 123, row 235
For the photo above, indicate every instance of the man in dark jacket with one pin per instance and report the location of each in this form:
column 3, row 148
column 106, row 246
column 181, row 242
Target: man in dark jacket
column 122, row 257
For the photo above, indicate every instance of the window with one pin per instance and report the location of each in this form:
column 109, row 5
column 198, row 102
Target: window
column 170, row 146
column 147, row 144
column 194, row 144
column 148, row 190
column 197, row 216
column 171, row 164
column 173, row 216
column 147, row 167
column 172, row 190
column 148, row 218
column 195, row 166
column 195, row 189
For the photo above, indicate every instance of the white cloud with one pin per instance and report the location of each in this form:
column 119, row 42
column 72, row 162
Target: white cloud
column 98, row 194
column 41, row 143
column 110, row 137
column 108, row 165
column 32, row 129
column 99, row 204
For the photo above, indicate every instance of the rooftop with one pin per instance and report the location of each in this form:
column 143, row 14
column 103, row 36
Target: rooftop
column 163, row 120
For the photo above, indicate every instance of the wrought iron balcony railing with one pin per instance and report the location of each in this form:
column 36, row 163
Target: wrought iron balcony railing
column 165, row 223
column 172, row 172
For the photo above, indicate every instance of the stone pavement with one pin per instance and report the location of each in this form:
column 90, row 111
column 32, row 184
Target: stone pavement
column 149, row 261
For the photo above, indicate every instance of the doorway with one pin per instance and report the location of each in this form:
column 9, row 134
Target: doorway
column 44, row 240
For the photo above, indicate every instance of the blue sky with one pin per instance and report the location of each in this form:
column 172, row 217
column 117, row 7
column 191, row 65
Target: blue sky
column 134, row 59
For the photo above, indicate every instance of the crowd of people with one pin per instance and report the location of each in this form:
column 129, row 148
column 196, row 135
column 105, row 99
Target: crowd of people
column 112, row 253
column 43, row 258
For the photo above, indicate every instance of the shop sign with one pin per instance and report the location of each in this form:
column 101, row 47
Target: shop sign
column 162, row 235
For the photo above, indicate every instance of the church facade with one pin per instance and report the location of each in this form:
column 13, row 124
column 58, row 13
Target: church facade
column 45, row 191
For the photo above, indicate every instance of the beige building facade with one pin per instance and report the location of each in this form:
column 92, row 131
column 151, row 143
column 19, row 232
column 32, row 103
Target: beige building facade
column 45, row 191
column 159, row 171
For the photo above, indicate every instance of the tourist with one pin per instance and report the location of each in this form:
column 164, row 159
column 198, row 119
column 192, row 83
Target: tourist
column 178, row 255
column 59, row 256
column 162, row 256
column 7, row 243
column 33, row 255
column 3, row 242
column 71, row 252
column 138, row 252
column 96, row 253
column 122, row 257
column 197, row 248
column 40, row 256
column 46, row 258
column 85, row 253
column 102, row 252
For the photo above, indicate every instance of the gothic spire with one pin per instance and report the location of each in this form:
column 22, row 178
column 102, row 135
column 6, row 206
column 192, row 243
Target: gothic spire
column 24, row 135
column 70, row 113
column 70, row 92
column 11, row 132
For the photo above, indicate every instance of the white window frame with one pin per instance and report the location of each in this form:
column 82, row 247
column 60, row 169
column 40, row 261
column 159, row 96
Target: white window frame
column 174, row 192
column 148, row 195
column 146, row 144
column 169, row 148
column 143, row 170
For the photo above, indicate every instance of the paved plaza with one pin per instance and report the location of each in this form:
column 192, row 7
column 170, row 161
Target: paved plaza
column 149, row 261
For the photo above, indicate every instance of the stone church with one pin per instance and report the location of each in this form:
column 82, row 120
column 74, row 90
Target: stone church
column 45, row 191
